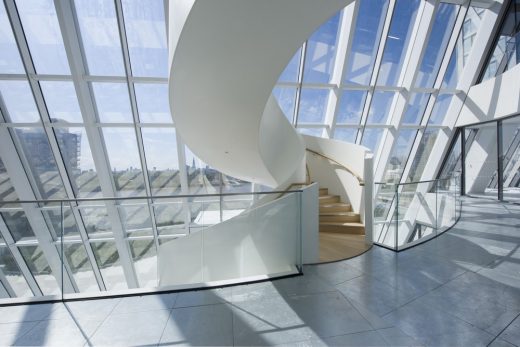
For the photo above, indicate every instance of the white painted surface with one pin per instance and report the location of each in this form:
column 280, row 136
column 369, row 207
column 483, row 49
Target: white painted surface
column 225, row 58
column 261, row 241
column 340, row 182
column 495, row 98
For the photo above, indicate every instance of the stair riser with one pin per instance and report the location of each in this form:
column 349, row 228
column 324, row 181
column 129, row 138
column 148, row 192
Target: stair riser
column 330, row 209
column 329, row 200
column 324, row 191
column 353, row 230
column 340, row 219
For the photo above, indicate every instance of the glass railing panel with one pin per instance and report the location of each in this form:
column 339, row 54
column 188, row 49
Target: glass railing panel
column 96, row 247
column 384, row 214
column 446, row 204
column 417, row 212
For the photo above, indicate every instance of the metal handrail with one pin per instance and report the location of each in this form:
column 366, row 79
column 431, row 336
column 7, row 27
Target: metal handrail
column 416, row 182
column 145, row 197
column 359, row 178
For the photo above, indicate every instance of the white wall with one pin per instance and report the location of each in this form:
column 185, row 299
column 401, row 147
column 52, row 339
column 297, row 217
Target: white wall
column 495, row 98
column 356, row 158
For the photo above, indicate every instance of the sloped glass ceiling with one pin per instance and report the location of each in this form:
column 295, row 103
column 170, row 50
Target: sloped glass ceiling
column 84, row 114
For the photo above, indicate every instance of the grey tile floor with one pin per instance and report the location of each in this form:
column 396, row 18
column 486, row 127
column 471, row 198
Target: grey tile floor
column 460, row 289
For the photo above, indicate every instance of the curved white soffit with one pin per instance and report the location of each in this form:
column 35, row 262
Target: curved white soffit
column 225, row 58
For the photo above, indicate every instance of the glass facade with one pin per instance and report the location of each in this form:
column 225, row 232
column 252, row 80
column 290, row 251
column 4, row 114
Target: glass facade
column 85, row 113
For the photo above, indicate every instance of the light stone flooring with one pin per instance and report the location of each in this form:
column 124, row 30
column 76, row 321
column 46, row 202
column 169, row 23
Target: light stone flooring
column 461, row 289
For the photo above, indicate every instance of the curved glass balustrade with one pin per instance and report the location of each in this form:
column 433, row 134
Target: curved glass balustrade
column 406, row 214
column 227, row 238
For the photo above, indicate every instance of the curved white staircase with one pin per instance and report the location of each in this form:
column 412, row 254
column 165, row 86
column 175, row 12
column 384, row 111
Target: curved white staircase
column 225, row 58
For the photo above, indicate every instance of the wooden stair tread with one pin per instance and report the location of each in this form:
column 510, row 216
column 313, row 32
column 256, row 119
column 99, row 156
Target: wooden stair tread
column 336, row 204
column 328, row 196
column 346, row 224
column 339, row 213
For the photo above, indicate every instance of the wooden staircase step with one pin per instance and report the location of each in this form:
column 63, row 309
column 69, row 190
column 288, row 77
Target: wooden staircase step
column 339, row 217
column 335, row 207
column 327, row 199
column 324, row 191
column 346, row 228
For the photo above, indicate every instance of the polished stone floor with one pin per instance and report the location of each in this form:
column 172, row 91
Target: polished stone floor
column 461, row 289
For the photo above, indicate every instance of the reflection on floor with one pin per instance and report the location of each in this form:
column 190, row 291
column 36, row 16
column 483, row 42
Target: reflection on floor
column 460, row 289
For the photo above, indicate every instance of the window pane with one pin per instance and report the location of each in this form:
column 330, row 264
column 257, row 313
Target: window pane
column 144, row 255
column 146, row 35
column 163, row 165
column 18, row 225
column 415, row 109
column 422, row 155
column 19, row 101
column 153, row 103
column 286, row 98
column 351, row 106
column 453, row 160
column 61, row 101
column 399, row 35
column 76, row 153
column 96, row 221
column 54, row 216
column 12, row 273
column 7, row 192
column 10, row 61
column 440, row 109
column 380, row 107
column 399, row 155
column 136, row 219
column 367, row 34
column 371, row 138
column 436, row 47
column 76, row 257
column 290, row 74
column 313, row 104
column 109, row 264
column 169, row 217
column 37, row 263
column 43, row 35
column 36, row 149
column 202, row 179
column 113, row 102
column 505, row 53
column 346, row 134
column 462, row 48
column 97, row 21
column 321, row 52
column 123, row 155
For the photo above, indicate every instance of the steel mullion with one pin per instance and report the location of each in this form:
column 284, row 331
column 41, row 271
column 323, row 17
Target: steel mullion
column 133, row 104
column 77, row 62
column 344, row 50
column 33, row 214
column 299, row 83
column 373, row 78
column 409, row 70
column 468, row 76
column 426, row 175
column 15, row 252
